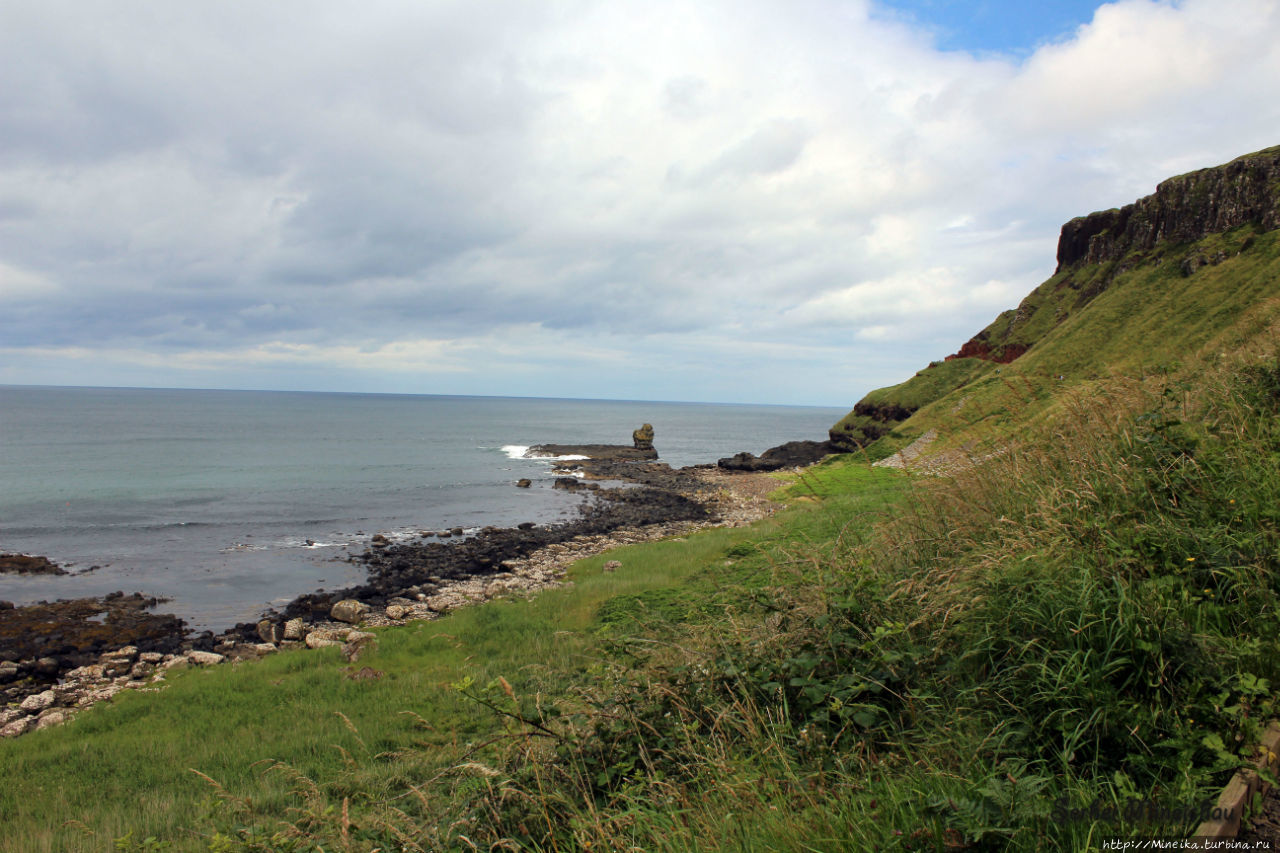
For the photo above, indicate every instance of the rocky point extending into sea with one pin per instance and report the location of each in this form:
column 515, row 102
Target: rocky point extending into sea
column 59, row 657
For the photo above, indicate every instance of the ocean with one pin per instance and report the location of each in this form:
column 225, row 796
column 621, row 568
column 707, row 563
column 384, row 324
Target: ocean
column 230, row 502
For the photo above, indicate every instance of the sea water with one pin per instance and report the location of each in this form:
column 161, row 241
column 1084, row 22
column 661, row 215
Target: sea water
column 230, row 502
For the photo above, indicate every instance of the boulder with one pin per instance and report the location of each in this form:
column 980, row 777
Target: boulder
column 52, row 717
column 47, row 667
column 320, row 639
column 91, row 672
column 348, row 610
column 295, row 629
column 396, row 612
column 269, row 631
column 204, row 658
column 8, row 671
column 17, row 727
column 524, row 483
column 38, row 702
column 115, row 667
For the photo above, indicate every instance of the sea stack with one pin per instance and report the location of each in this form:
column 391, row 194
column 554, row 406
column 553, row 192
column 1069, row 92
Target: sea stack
column 643, row 437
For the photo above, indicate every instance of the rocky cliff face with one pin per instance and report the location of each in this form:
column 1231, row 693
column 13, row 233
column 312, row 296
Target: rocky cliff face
column 1188, row 207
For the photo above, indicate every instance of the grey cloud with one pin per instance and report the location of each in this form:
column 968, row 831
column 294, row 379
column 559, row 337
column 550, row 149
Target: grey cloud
column 773, row 148
column 219, row 176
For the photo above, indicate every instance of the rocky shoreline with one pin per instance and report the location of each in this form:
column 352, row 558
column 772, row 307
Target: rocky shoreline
column 59, row 657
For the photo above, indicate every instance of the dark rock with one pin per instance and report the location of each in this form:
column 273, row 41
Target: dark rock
column 571, row 484
column 793, row 454
column 47, row 668
column 62, row 635
column 25, row 564
column 642, row 439
column 523, row 483
column 269, row 631
column 641, row 448
column 1182, row 209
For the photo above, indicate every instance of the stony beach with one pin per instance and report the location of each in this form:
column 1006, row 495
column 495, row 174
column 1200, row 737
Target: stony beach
column 59, row 657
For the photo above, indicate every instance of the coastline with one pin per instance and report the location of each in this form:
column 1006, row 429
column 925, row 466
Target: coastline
column 411, row 581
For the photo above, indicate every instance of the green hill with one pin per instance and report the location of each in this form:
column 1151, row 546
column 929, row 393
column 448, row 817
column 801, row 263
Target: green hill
column 1191, row 268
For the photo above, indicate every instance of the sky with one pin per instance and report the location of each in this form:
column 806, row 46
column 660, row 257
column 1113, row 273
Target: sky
column 723, row 200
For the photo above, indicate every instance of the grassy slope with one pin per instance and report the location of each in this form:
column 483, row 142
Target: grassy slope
column 1151, row 320
column 932, row 383
column 126, row 766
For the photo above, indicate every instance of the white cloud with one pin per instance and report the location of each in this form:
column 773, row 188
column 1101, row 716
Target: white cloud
column 557, row 189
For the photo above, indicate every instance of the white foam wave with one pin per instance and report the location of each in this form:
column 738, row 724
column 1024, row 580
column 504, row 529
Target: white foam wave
column 521, row 451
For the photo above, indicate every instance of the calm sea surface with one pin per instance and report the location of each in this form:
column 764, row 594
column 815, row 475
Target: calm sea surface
column 227, row 502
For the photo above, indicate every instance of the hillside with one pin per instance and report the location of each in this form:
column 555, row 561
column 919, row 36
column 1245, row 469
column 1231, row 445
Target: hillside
column 1137, row 288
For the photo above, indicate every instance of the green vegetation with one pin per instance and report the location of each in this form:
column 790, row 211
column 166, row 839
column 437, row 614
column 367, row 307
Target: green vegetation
column 880, row 411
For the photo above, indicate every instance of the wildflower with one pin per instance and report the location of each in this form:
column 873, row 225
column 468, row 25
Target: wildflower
column 1191, row 559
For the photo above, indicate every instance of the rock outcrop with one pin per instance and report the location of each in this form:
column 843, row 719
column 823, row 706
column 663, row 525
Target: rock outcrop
column 1189, row 207
column 25, row 564
column 793, row 454
column 641, row 448
column 642, row 439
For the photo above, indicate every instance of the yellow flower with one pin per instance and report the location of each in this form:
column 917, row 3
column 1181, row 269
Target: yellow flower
column 1191, row 559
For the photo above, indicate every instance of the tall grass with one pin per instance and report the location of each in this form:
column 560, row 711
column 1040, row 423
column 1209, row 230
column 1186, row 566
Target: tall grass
column 1075, row 639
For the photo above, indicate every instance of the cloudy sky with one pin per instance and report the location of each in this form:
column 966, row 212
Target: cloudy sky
column 719, row 200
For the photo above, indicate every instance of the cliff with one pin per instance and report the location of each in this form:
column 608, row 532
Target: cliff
column 1192, row 222
column 1245, row 191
